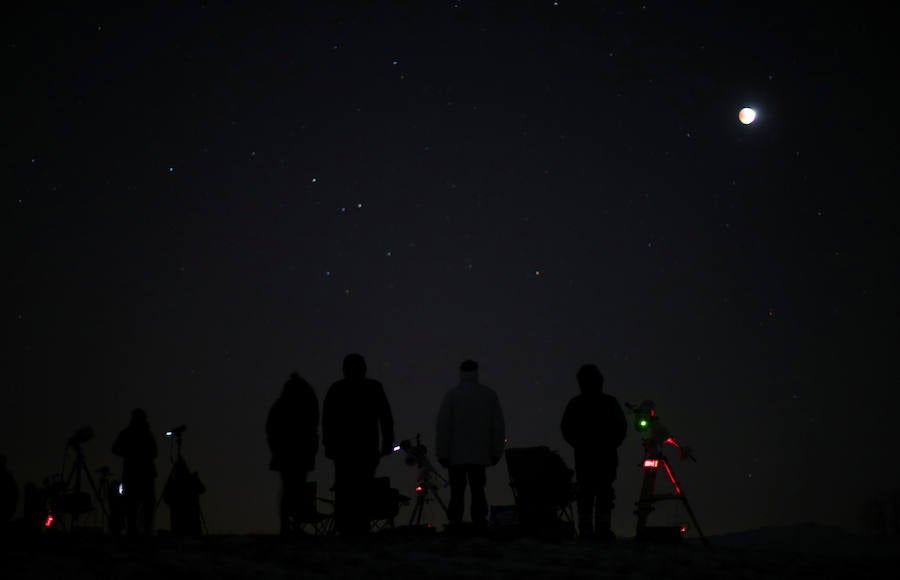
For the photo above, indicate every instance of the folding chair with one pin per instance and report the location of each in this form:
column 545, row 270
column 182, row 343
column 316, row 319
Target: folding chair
column 543, row 490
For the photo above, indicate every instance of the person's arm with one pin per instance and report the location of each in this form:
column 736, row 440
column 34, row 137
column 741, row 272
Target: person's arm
column 386, row 420
column 498, row 431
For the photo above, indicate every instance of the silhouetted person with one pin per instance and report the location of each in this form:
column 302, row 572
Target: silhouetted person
column 9, row 494
column 594, row 425
column 357, row 430
column 471, row 435
column 182, row 494
column 137, row 447
column 292, row 431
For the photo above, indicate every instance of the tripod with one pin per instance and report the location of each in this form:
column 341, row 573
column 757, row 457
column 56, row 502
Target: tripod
column 653, row 460
column 655, row 436
column 427, row 480
column 71, row 499
column 181, row 491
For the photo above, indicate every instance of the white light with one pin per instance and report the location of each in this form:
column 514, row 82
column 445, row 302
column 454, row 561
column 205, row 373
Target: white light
column 747, row 115
column 396, row 448
column 121, row 489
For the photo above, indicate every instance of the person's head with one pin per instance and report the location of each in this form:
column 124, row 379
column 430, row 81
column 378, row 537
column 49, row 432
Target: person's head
column 138, row 417
column 468, row 370
column 294, row 384
column 590, row 379
column 354, row 366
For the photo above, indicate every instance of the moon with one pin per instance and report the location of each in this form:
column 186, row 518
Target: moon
column 747, row 115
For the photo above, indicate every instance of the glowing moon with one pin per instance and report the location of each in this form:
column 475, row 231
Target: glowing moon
column 747, row 115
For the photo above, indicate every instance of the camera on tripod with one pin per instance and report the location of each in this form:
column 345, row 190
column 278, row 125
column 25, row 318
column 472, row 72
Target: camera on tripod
column 177, row 431
column 81, row 436
column 415, row 453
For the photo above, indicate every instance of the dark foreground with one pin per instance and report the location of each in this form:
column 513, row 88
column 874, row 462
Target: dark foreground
column 400, row 556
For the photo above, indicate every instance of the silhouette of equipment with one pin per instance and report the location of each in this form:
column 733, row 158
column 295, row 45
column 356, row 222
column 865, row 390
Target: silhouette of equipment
column 428, row 480
column 182, row 491
column 65, row 493
column 543, row 490
column 384, row 505
column 654, row 436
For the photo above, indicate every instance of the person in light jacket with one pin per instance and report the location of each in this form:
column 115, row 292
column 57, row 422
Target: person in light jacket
column 471, row 435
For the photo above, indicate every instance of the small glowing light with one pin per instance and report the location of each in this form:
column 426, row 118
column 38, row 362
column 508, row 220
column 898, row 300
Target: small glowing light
column 652, row 463
column 171, row 169
column 419, row 489
column 643, row 422
column 359, row 206
column 395, row 62
column 747, row 115
column 396, row 448
column 49, row 521
column 314, row 180
column 537, row 272
column 683, row 529
column 169, row 433
column 121, row 489
column 389, row 254
column 327, row 274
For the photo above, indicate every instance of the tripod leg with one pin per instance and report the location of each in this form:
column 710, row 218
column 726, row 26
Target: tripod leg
column 687, row 505
column 645, row 501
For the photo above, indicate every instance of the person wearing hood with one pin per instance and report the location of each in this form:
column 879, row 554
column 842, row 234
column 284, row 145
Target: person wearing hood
column 595, row 426
column 292, row 433
column 471, row 435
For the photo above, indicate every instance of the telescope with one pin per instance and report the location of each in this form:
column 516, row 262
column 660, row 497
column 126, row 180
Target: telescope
column 644, row 415
column 177, row 431
column 415, row 453
column 654, row 436
column 83, row 435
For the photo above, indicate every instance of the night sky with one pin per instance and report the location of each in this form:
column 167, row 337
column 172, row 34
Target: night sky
column 203, row 197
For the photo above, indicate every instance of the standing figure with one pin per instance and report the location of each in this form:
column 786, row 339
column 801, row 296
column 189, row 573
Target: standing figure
column 594, row 425
column 357, row 430
column 471, row 435
column 292, row 432
column 137, row 448
column 182, row 493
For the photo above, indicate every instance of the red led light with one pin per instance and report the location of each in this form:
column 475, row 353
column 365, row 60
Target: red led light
column 49, row 521
column 672, row 479
column 652, row 463
column 419, row 489
column 683, row 529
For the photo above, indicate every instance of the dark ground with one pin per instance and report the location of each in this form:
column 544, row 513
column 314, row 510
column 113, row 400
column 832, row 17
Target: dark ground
column 812, row 552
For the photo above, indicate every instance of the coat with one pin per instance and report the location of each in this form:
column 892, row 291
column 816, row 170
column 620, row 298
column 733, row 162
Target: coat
column 357, row 423
column 595, row 426
column 292, row 428
column 137, row 448
column 470, row 426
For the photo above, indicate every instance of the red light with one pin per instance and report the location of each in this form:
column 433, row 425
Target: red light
column 651, row 463
column 49, row 521
column 672, row 479
column 671, row 441
column 683, row 529
column 419, row 489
